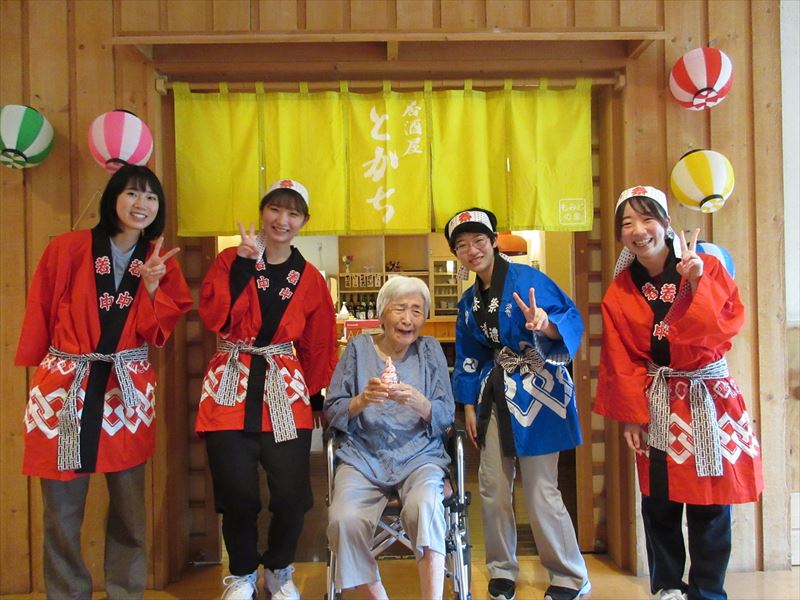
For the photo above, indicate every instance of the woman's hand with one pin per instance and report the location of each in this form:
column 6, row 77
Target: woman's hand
column 536, row 318
column 690, row 266
column 406, row 394
column 375, row 392
column 471, row 423
column 248, row 247
column 155, row 267
column 634, row 436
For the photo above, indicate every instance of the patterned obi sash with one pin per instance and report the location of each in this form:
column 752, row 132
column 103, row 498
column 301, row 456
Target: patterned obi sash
column 280, row 409
column 69, row 429
column 705, row 428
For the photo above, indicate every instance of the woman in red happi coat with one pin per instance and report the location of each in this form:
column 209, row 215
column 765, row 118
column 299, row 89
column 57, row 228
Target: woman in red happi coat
column 668, row 320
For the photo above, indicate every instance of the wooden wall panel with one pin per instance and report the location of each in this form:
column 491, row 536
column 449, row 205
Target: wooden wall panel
column 507, row 14
column 327, row 15
column 731, row 129
column 416, row 15
column 596, row 13
column 231, row 15
column 277, row 15
column 769, row 281
column 645, row 141
column 645, row 13
column 468, row 15
column 49, row 197
column 15, row 554
column 557, row 14
column 137, row 16
column 372, row 15
column 189, row 15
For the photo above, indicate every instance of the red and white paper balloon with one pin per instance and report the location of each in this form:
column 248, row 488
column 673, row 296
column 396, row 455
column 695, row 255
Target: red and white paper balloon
column 118, row 138
column 701, row 78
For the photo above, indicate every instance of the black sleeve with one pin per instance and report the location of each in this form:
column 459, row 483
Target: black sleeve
column 317, row 401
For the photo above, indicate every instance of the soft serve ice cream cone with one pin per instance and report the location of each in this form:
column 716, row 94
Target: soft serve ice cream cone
column 389, row 376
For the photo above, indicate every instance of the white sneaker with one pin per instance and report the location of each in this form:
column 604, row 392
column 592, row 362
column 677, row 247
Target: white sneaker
column 670, row 594
column 280, row 585
column 241, row 587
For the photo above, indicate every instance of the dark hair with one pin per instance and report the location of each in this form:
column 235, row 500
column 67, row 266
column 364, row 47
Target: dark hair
column 285, row 198
column 135, row 176
column 644, row 206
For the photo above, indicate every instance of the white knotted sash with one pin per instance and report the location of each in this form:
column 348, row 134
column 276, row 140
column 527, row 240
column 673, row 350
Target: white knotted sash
column 705, row 428
column 69, row 426
column 280, row 409
column 529, row 361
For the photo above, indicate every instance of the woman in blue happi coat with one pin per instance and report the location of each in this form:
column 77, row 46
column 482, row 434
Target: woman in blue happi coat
column 515, row 334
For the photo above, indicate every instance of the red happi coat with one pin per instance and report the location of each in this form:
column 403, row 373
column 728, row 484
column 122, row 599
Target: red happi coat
column 308, row 322
column 700, row 332
column 63, row 311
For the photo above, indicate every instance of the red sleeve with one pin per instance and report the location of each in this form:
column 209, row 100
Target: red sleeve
column 622, row 378
column 156, row 318
column 48, row 283
column 715, row 314
column 316, row 348
column 215, row 295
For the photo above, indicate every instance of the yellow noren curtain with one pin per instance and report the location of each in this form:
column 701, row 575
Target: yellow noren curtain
column 550, row 152
column 389, row 162
column 217, row 161
column 389, row 180
column 468, row 153
column 304, row 140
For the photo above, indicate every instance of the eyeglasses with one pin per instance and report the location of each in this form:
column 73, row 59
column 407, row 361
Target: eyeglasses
column 477, row 242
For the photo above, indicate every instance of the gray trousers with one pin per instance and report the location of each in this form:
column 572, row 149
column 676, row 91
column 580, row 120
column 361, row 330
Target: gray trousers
column 358, row 504
column 550, row 522
column 125, row 561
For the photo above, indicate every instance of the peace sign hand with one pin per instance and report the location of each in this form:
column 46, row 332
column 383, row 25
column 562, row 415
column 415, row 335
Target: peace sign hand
column 536, row 318
column 690, row 265
column 155, row 267
column 248, row 247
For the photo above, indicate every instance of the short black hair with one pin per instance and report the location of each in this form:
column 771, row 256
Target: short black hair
column 286, row 198
column 644, row 206
column 141, row 178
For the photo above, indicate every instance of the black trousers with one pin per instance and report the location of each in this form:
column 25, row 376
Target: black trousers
column 233, row 457
column 709, row 546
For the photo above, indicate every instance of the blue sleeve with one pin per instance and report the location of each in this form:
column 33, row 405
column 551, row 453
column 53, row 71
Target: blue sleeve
column 471, row 355
column 561, row 311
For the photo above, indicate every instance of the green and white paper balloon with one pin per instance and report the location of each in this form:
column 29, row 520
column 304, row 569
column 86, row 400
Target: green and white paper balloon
column 26, row 136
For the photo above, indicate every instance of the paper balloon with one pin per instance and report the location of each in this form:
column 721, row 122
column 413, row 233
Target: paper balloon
column 702, row 180
column 701, row 78
column 118, row 138
column 26, row 136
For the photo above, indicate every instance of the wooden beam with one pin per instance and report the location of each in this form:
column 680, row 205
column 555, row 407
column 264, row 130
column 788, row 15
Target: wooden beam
column 571, row 35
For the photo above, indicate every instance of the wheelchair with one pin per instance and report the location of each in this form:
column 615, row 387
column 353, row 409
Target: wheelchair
column 390, row 530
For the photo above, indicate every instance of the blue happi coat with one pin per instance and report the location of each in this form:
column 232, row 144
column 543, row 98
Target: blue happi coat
column 544, row 417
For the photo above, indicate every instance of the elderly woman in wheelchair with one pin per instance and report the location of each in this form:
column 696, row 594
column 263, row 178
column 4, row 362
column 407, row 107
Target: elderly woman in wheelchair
column 391, row 440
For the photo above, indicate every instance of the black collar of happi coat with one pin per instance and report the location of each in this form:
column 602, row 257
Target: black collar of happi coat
column 276, row 286
column 486, row 303
column 114, row 303
column 660, row 293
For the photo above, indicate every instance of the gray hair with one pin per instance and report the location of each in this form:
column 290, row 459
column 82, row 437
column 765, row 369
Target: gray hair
column 400, row 286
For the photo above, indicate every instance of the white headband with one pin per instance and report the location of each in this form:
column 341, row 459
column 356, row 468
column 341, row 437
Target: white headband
column 469, row 216
column 290, row 184
column 648, row 192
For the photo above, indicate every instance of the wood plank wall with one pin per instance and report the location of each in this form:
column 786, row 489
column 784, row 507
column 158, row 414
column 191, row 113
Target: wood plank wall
column 56, row 55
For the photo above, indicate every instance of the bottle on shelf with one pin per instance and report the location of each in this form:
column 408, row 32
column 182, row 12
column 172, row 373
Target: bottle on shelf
column 362, row 309
column 371, row 309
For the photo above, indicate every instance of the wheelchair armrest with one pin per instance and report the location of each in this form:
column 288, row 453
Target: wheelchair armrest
column 455, row 443
column 329, row 437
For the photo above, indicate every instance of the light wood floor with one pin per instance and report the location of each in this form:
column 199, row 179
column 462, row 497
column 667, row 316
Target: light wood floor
column 400, row 579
